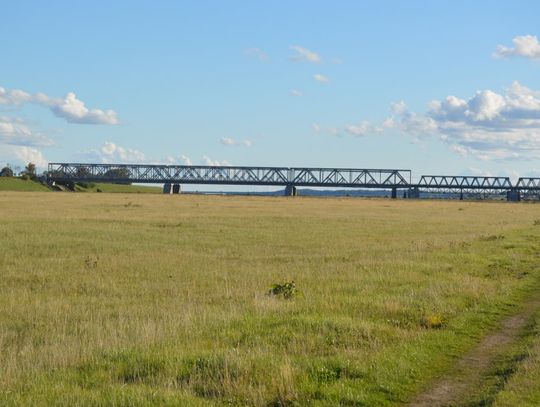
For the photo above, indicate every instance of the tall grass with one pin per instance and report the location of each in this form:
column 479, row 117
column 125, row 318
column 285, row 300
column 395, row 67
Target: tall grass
column 151, row 299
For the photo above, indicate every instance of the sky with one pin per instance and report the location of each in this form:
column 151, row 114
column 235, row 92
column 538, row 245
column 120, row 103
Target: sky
column 438, row 87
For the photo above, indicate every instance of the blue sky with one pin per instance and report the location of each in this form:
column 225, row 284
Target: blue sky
column 436, row 87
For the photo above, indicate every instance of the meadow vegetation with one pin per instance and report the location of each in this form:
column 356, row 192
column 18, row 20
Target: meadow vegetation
column 118, row 299
column 21, row 184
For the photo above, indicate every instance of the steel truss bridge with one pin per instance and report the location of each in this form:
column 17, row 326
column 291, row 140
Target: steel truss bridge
column 289, row 177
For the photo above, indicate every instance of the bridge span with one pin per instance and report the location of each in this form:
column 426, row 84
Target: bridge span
column 172, row 176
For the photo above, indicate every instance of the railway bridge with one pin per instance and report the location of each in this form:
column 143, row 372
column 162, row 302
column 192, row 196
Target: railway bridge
column 394, row 180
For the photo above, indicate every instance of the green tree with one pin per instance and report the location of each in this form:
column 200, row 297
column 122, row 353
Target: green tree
column 6, row 171
column 30, row 170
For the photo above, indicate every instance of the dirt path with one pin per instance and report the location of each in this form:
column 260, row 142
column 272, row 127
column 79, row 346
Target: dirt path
column 468, row 372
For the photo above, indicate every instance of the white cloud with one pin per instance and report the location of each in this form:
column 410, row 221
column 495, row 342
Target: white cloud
column 30, row 155
column 228, row 141
column 316, row 127
column 304, row 54
column 75, row 111
column 295, row 93
column 214, row 163
column 186, row 160
column 69, row 108
column 487, row 126
column 111, row 153
column 17, row 132
column 362, row 129
column 524, row 46
column 398, row 107
column 257, row 54
column 320, row 78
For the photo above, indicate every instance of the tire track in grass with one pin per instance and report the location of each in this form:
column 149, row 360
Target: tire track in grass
column 470, row 373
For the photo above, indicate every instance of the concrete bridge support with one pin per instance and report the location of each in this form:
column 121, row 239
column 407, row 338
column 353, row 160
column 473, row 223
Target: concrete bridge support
column 394, row 193
column 513, row 195
column 290, row 190
column 169, row 188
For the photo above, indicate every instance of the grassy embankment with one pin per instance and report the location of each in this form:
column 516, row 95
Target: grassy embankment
column 152, row 299
column 18, row 184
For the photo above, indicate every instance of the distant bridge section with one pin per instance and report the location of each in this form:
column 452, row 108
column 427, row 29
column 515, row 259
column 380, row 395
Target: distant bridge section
column 468, row 183
column 229, row 175
column 172, row 176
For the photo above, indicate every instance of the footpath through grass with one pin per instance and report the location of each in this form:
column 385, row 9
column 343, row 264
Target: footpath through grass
column 523, row 385
column 152, row 299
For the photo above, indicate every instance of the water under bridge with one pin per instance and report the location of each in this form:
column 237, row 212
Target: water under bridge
column 394, row 180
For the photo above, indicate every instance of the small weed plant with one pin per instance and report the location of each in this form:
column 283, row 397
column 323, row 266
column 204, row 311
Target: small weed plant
column 286, row 290
column 433, row 321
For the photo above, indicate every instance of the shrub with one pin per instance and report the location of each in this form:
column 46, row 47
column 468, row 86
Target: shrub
column 286, row 290
column 433, row 321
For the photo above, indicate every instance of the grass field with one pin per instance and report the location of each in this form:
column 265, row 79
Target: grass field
column 119, row 299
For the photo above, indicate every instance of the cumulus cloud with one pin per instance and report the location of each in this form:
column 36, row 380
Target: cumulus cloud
column 304, row 54
column 75, row 111
column 17, row 132
column 321, row 78
column 69, row 108
column 228, row 141
column 256, row 53
column 214, row 163
column 30, row 155
column 526, row 46
column 488, row 125
column 112, row 153
column 295, row 93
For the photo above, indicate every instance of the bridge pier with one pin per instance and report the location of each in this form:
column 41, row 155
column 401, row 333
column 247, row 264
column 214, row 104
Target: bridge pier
column 394, row 193
column 513, row 195
column 169, row 188
column 290, row 190
column 413, row 193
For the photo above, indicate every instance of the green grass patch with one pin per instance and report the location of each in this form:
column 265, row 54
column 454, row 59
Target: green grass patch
column 18, row 184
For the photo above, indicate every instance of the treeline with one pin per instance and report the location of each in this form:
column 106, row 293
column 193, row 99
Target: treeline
column 28, row 173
